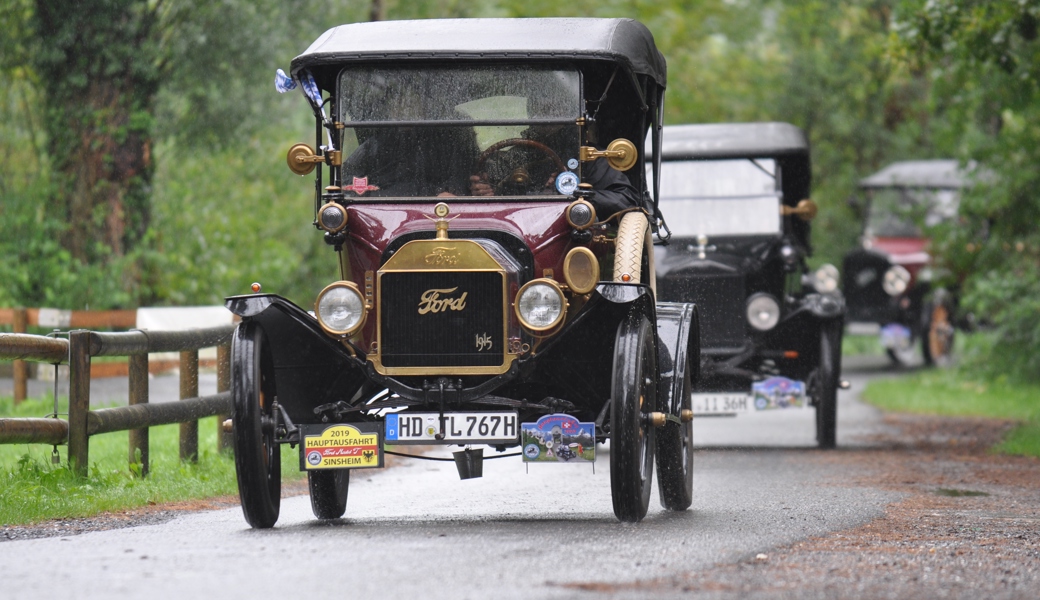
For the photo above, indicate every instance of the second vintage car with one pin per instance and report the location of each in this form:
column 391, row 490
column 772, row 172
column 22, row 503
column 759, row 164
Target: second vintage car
column 736, row 197
column 491, row 224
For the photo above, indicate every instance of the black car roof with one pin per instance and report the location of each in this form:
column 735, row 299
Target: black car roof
column 732, row 140
column 621, row 40
column 935, row 173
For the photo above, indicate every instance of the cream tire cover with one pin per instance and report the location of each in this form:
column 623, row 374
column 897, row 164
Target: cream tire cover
column 633, row 239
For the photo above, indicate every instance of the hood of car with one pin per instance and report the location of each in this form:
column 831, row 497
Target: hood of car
column 901, row 251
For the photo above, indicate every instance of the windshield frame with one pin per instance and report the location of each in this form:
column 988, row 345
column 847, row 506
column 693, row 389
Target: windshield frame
column 579, row 120
column 746, row 195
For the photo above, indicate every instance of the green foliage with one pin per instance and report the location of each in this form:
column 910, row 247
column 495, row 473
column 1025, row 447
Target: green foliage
column 233, row 217
column 985, row 61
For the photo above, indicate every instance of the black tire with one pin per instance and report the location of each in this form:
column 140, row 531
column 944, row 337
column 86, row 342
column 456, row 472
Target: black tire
column 329, row 492
column 634, row 394
column 258, row 463
column 826, row 389
column 675, row 457
column 937, row 340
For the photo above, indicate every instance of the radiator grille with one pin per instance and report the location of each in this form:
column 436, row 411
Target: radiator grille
column 441, row 319
column 720, row 303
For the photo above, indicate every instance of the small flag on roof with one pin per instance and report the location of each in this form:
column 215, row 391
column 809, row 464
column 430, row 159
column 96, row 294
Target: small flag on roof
column 282, row 82
column 310, row 87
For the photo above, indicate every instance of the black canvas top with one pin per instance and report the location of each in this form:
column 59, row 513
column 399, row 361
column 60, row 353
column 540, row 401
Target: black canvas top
column 622, row 40
column 732, row 140
column 936, row 173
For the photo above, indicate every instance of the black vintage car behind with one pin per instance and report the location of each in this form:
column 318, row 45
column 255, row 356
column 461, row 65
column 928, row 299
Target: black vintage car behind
column 737, row 201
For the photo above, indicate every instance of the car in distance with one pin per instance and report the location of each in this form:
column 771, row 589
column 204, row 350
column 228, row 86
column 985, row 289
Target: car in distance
column 888, row 279
column 736, row 196
column 493, row 282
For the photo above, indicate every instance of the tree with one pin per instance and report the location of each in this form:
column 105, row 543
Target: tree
column 985, row 57
column 98, row 65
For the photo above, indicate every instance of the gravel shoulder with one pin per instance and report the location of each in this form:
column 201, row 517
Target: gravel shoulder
column 968, row 527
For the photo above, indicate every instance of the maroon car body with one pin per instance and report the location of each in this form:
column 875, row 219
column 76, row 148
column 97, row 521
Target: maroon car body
column 495, row 263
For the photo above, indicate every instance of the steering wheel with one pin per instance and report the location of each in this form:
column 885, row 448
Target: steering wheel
column 519, row 175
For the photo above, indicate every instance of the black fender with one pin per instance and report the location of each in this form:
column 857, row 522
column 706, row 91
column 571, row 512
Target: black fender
column 310, row 368
column 678, row 352
column 576, row 363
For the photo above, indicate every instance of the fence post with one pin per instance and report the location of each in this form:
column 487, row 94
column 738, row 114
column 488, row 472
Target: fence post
column 20, row 367
column 190, row 389
column 223, row 385
column 139, row 395
column 79, row 401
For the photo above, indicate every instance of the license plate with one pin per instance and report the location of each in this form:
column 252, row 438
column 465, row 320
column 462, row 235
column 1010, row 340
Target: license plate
column 460, row 427
column 722, row 403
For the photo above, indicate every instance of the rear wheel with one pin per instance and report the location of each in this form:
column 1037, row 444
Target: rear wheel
column 634, row 395
column 258, row 464
column 675, row 457
column 329, row 492
column 826, row 391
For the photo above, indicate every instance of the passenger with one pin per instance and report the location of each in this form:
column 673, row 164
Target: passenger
column 412, row 160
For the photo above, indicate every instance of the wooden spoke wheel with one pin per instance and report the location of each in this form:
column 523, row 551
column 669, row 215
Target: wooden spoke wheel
column 826, row 385
column 258, row 464
column 634, row 396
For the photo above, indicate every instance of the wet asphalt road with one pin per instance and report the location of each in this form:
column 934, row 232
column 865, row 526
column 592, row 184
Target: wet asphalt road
column 417, row 531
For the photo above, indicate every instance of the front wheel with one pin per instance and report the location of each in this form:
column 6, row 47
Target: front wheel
column 329, row 492
column 258, row 463
column 675, row 457
column 826, row 391
column 634, row 395
column 937, row 341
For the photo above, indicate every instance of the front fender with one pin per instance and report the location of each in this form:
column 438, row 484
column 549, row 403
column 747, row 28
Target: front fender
column 310, row 368
column 678, row 352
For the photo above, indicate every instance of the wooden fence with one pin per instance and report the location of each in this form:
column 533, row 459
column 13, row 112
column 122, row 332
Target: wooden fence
column 20, row 319
column 77, row 351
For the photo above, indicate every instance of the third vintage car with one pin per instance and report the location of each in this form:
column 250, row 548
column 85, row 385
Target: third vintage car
column 490, row 221
column 736, row 197
column 889, row 280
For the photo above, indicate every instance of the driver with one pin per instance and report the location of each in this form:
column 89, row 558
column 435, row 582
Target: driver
column 614, row 192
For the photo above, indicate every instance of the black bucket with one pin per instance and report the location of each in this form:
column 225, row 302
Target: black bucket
column 470, row 462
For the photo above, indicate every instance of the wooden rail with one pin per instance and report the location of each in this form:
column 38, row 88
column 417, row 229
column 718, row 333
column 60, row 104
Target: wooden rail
column 20, row 319
column 139, row 414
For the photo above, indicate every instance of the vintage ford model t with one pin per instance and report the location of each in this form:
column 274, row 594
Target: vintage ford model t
column 888, row 280
column 737, row 200
column 495, row 267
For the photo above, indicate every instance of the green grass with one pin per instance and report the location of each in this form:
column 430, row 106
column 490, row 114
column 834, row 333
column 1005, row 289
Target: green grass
column 857, row 345
column 33, row 489
column 955, row 392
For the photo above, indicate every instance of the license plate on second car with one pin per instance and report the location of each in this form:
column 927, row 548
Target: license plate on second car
column 721, row 404
column 466, row 428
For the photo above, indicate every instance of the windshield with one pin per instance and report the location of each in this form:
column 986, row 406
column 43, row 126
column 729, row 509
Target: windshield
column 720, row 197
column 902, row 212
column 439, row 130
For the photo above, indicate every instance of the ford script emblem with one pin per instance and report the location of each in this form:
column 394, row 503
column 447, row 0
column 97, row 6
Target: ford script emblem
column 432, row 302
